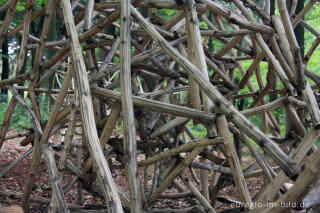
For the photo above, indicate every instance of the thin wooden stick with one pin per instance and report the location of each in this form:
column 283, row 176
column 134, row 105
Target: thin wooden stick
column 299, row 154
column 294, row 47
column 15, row 162
column 203, row 201
column 7, row 20
column 301, row 186
column 69, row 136
column 183, row 148
column 53, row 171
column 34, row 198
column 228, row 47
column 157, row 105
column 13, row 102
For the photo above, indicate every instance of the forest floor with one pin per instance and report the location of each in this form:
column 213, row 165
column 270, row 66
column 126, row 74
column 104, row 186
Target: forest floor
column 15, row 179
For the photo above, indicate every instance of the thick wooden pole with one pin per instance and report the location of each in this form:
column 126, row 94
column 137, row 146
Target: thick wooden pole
column 104, row 174
column 221, row 103
column 129, row 130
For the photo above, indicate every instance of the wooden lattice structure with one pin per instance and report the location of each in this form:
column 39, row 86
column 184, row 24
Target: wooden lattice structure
column 161, row 61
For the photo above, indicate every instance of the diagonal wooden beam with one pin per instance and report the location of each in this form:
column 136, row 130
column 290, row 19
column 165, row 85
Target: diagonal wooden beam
column 221, row 103
column 108, row 187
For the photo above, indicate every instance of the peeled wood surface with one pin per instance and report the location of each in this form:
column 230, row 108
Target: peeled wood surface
column 221, row 103
column 147, row 100
column 106, row 181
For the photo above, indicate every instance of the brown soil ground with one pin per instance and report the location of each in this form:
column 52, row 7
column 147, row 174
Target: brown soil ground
column 15, row 180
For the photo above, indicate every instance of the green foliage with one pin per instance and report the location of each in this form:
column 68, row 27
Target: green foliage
column 20, row 119
column 198, row 130
column 166, row 13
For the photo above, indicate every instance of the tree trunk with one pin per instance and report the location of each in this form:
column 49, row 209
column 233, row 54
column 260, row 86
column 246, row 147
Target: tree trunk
column 5, row 66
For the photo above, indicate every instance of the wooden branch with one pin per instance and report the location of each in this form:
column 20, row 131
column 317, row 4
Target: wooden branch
column 294, row 47
column 275, row 64
column 53, row 172
column 34, row 121
column 196, row 52
column 174, row 173
column 157, row 105
column 221, row 103
column 302, row 13
column 49, row 44
column 303, row 147
column 183, row 148
column 169, row 125
column 134, row 59
column 162, row 4
column 219, row 9
column 301, row 186
column 228, row 47
column 33, row 17
column 7, row 20
column 312, row 105
column 203, row 201
column 13, row 102
column 110, row 54
column 60, row 118
column 5, row 5
column 6, row 120
column 257, row 10
column 54, row 178
column 233, row 160
column 311, row 51
column 107, row 184
column 4, row 171
column 106, row 132
column 34, row 198
column 264, row 108
column 69, row 135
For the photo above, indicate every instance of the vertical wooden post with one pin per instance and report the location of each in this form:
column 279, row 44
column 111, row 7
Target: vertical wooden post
column 104, row 174
column 129, row 130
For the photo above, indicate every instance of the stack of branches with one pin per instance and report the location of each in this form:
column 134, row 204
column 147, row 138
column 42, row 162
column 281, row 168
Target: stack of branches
column 157, row 76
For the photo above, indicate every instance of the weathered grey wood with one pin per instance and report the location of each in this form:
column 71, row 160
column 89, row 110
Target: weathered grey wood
column 183, row 148
column 233, row 160
column 297, row 157
column 106, row 132
column 105, row 177
column 129, row 130
column 174, row 173
column 4, row 171
column 54, row 178
column 221, row 103
column 157, row 105
column 300, row 188
column 294, row 47
column 34, row 198
column 203, row 201
column 53, row 171
column 171, row 124
column 69, row 135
